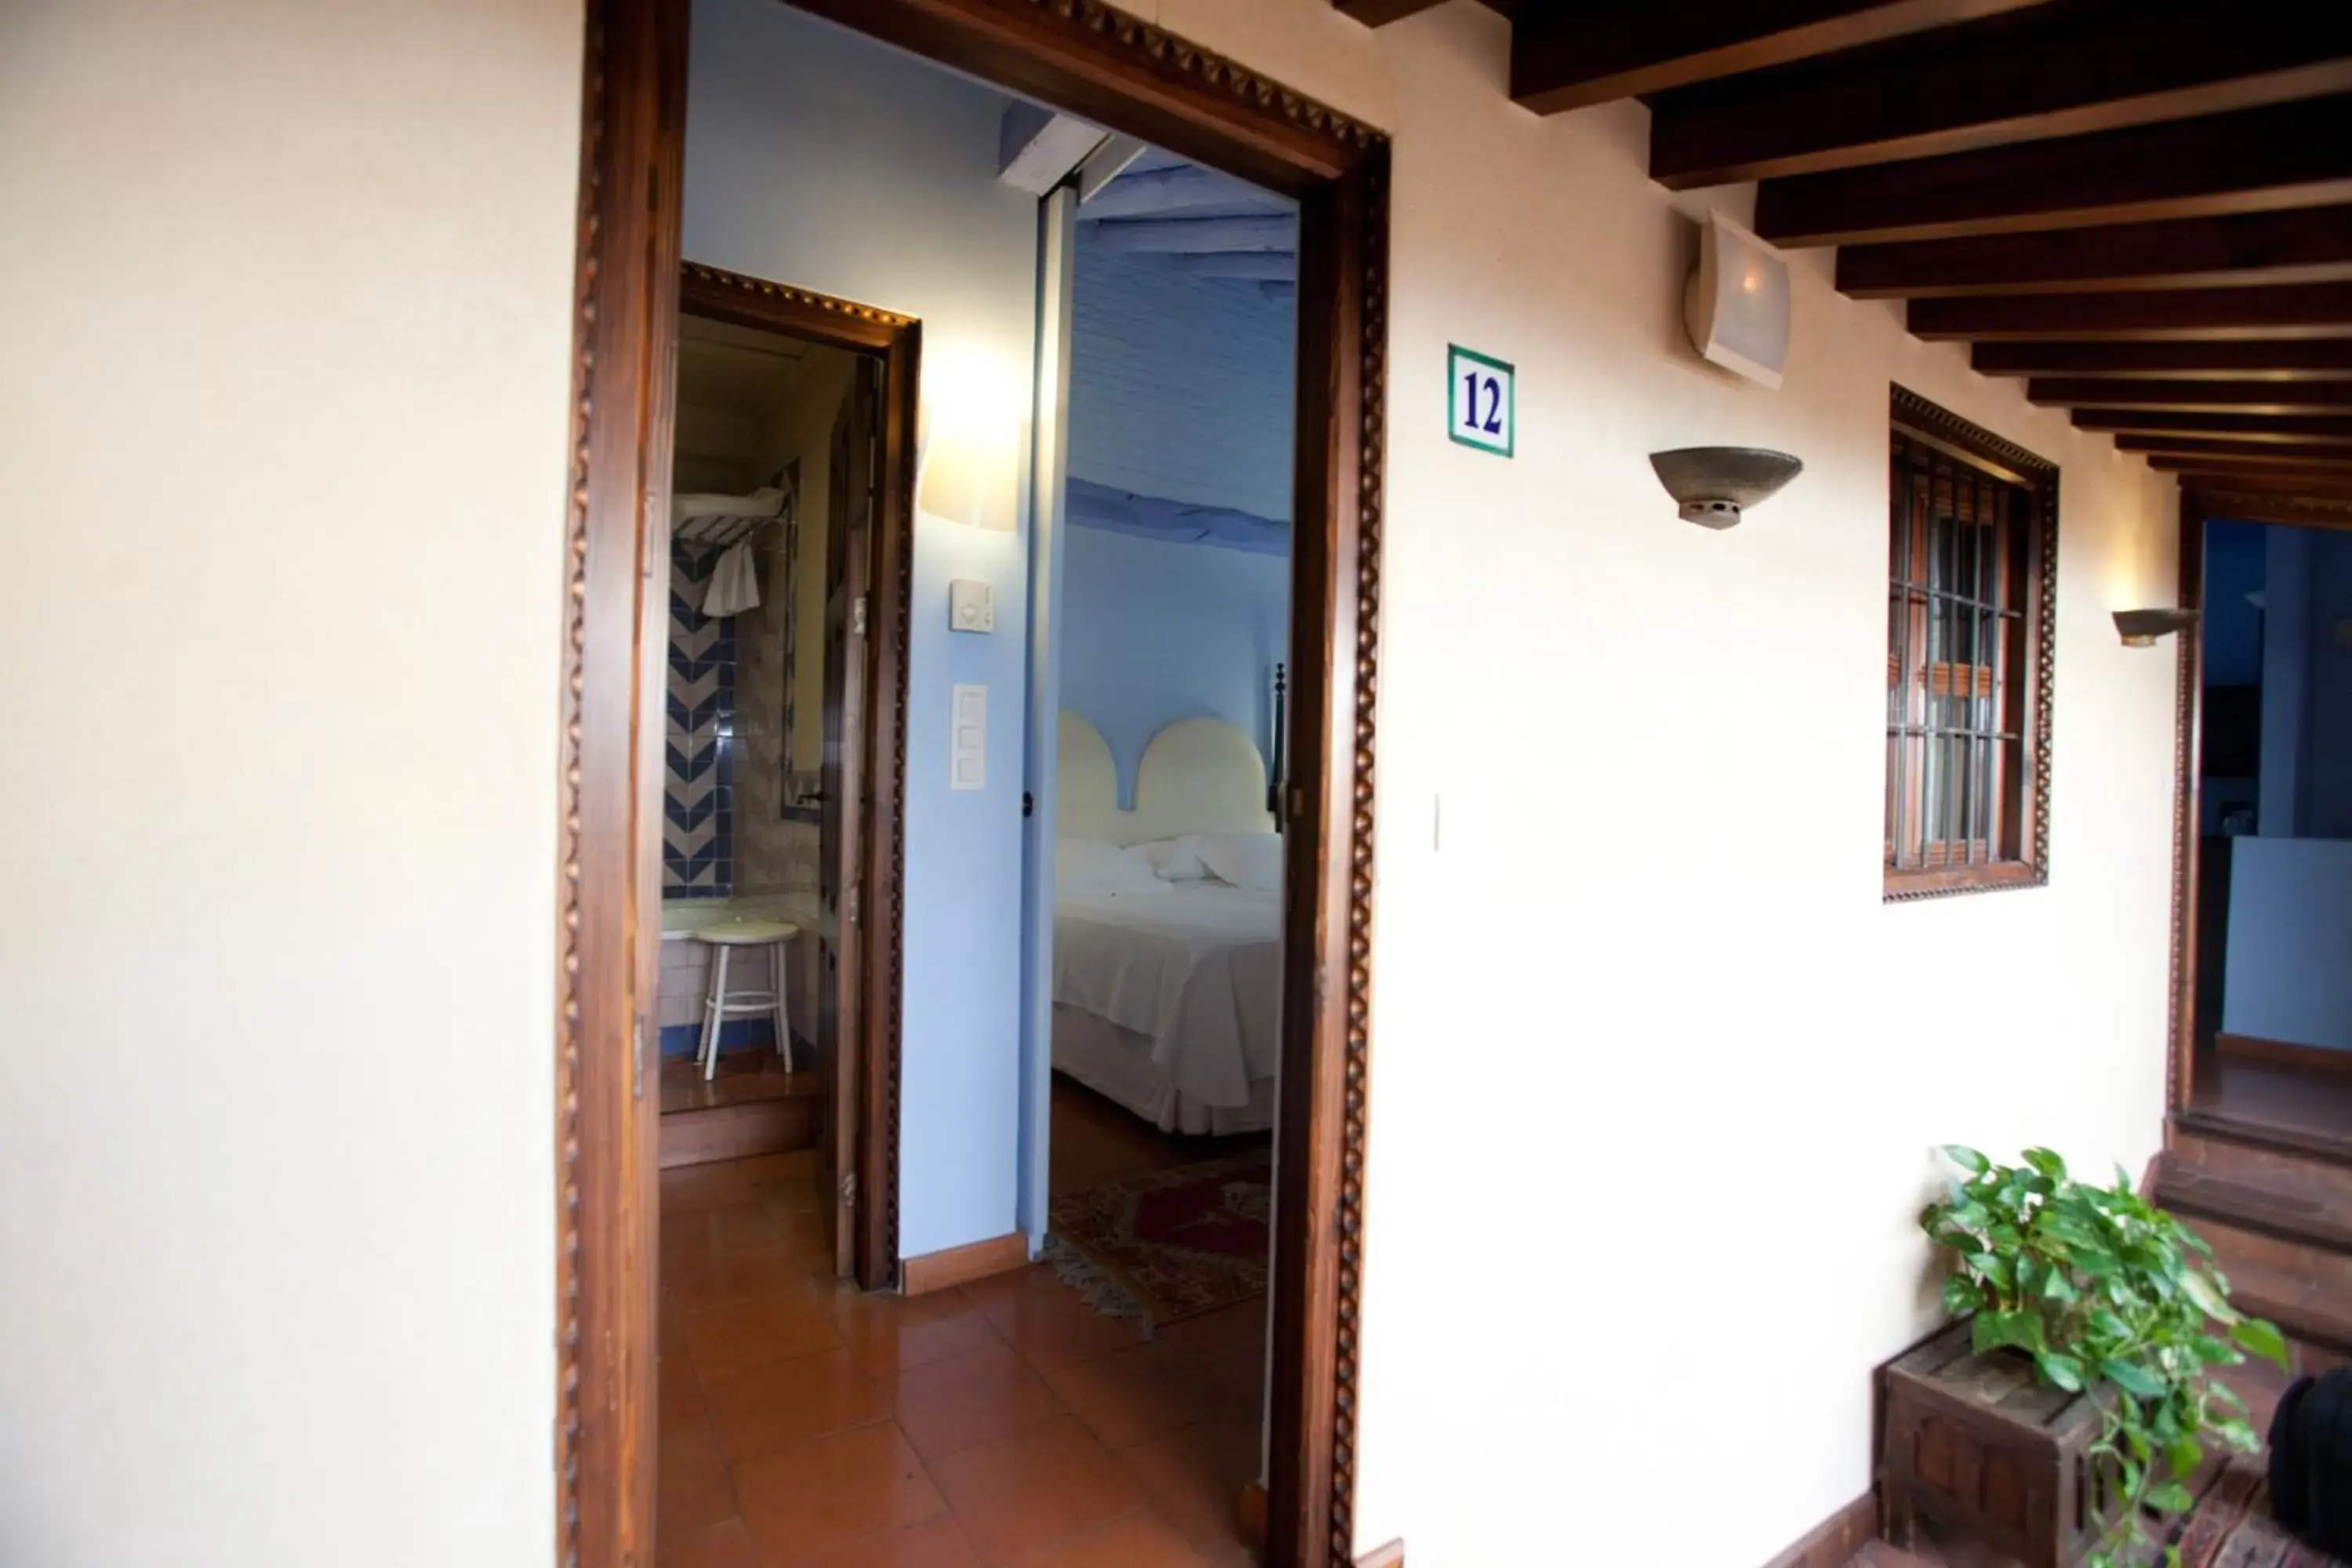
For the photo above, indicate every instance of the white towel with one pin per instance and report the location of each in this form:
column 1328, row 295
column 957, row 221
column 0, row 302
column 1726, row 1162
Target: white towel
column 734, row 584
column 763, row 502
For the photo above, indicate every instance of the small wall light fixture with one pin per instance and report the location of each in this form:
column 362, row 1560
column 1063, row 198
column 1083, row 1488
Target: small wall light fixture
column 2140, row 629
column 1716, row 484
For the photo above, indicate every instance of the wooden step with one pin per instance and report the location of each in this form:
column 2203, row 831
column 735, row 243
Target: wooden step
column 2305, row 1288
column 2276, row 1205
column 2289, row 1162
column 2327, row 1147
column 2286, row 1209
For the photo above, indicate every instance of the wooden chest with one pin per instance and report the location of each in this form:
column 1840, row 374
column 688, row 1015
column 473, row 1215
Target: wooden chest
column 1978, row 1450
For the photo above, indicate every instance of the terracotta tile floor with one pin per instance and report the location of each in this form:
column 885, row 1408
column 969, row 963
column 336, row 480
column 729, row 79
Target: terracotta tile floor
column 1002, row 1423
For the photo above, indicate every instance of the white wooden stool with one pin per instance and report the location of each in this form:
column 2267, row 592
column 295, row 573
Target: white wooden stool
column 717, row 1005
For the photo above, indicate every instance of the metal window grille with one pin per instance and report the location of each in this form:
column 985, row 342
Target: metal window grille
column 1957, row 659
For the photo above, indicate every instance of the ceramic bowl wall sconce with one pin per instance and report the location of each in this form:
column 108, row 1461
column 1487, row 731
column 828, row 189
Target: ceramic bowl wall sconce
column 1716, row 485
column 2141, row 628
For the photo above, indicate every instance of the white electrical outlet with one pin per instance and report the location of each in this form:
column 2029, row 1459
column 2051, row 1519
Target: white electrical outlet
column 971, row 606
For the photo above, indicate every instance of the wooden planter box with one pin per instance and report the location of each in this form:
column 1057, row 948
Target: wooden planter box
column 1976, row 1449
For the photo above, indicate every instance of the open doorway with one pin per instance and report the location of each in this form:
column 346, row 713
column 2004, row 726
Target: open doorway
column 824, row 204
column 788, row 485
column 2269, row 1012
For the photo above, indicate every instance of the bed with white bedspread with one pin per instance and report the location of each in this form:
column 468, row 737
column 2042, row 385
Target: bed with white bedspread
column 1168, row 929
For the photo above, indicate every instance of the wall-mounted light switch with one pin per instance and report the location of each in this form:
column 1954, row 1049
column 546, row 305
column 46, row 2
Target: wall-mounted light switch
column 971, row 606
column 968, row 745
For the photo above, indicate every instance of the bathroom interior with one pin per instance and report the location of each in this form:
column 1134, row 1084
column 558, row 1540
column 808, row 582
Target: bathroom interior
column 756, row 424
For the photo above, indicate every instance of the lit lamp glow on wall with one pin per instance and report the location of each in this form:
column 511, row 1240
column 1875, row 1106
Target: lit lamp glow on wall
column 2141, row 628
column 968, row 452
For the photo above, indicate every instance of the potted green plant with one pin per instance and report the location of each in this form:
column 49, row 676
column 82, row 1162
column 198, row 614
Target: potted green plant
column 2110, row 1296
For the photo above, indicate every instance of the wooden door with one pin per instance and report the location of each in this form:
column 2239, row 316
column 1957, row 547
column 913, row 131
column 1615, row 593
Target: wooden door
column 845, row 810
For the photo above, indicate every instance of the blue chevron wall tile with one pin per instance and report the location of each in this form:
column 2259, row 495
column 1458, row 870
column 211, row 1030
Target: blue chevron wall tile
column 699, row 751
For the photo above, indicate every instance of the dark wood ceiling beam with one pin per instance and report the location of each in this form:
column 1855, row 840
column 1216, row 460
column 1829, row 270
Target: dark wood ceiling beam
column 1573, row 56
column 2288, row 311
column 2316, row 484
column 2061, row 71
column 2256, row 473
column 2220, row 501
column 2308, row 359
column 2287, row 155
column 1380, row 13
column 2299, row 245
column 2273, row 454
column 2193, row 396
column 2309, row 429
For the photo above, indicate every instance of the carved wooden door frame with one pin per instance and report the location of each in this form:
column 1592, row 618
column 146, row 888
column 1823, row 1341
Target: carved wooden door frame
column 1125, row 74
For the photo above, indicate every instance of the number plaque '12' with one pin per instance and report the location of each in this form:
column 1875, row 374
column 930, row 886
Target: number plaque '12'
column 1483, row 401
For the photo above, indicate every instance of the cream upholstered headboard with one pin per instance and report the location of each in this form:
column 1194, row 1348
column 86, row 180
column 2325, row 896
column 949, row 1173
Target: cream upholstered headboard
column 1197, row 776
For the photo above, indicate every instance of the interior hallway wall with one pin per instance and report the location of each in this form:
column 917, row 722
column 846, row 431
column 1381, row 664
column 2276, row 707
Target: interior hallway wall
column 1154, row 631
column 821, row 159
column 1677, row 1076
column 783, row 635
column 285, row 356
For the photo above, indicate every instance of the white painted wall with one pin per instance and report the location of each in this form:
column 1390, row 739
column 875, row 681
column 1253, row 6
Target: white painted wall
column 284, row 348
column 1652, row 1070
column 302, row 287
column 819, row 159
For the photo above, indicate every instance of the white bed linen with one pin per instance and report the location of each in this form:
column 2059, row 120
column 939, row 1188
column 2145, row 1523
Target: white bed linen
column 1116, row 1065
column 1196, row 970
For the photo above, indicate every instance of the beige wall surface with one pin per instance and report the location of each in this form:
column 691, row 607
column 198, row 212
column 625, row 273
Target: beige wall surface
column 773, row 854
column 281, row 405
column 284, row 349
column 1657, row 1074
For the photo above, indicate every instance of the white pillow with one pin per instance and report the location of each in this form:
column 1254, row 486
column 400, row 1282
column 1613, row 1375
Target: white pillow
column 1252, row 860
column 1175, row 859
column 1088, row 868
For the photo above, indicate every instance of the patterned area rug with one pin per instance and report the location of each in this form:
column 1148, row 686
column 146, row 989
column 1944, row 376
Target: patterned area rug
column 1177, row 1243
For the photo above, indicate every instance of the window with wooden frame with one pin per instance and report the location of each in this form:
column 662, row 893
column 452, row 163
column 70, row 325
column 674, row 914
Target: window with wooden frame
column 1972, row 564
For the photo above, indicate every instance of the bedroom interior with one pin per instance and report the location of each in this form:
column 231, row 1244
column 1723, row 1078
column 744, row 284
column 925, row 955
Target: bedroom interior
column 1100, row 1374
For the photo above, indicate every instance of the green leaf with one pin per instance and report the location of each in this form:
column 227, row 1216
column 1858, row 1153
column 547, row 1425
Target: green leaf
column 2132, row 1379
column 2047, row 1161
column 2237, row 1433
column 2171, row 1496
column 2184, row 1454
column 2060, row 1369
column 1962, row 1295
column 1967, row 1159
column 2262, row 1338
column 1996, row 1330
column 2208, row 1298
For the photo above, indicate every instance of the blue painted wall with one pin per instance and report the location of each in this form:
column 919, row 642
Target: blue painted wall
column 1153, row 632
column 1180, row 386
column 2290, row 907
column 824, row 160
column 1180, row 390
